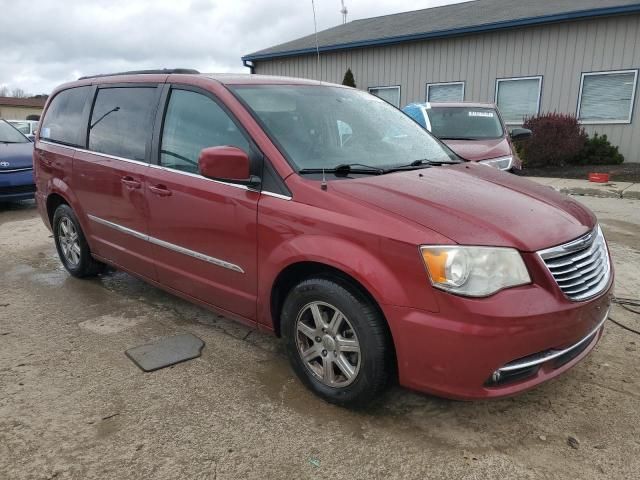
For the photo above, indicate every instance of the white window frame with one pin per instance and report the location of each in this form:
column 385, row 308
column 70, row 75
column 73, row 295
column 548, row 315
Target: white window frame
column 437, row 84
column 605, row 122
column 389, row 87
column 532, row 77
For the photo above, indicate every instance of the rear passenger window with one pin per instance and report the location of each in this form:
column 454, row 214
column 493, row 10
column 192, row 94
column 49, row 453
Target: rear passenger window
column 193, row 122
column 63, row 120
column 121, row 121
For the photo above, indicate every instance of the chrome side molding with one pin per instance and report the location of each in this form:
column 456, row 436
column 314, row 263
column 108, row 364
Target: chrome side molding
column 169, row 246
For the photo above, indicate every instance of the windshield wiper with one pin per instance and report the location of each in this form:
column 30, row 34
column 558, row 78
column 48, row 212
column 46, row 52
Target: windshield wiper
column 345, row 169
column 457, row 138
column 114, row 109
column 422, row 163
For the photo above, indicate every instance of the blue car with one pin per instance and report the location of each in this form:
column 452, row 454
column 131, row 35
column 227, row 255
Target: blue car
column 16, row 165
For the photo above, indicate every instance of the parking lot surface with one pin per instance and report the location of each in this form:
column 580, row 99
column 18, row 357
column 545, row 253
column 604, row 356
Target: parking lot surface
column 72, row 405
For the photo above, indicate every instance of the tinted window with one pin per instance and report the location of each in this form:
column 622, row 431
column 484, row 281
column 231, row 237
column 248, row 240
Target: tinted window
column 63, row 121
column 464, row 123
column 193, row 122
column 121, row 121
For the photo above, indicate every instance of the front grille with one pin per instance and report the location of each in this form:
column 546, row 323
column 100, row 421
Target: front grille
column 17, row 189
column 581, row 267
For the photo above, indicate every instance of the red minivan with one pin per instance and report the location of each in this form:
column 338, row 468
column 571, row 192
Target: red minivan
column 474, row 131
column 328, row 217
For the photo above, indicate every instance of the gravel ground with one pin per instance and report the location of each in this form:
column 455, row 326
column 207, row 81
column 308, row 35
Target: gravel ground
column 73, row 406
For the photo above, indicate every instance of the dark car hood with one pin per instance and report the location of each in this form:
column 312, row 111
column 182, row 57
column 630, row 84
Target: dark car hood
column 18, row 155
column 475, row 205
column 476, row 150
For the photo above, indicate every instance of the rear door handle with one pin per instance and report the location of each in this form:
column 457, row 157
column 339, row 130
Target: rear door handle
column 160, row 189
column 130, row 182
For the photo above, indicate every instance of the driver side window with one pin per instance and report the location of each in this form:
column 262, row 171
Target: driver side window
column 193, row 121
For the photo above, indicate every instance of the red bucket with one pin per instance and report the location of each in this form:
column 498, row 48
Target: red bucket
column 599, row 177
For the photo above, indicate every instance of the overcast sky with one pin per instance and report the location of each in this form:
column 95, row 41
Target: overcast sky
column 46, row 42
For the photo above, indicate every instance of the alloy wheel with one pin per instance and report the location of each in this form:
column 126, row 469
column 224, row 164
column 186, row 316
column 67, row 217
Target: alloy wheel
column 328, row 344
column 69, row 241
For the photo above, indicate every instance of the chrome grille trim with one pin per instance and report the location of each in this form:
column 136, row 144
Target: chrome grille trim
column 581, row 268
column 545, row 356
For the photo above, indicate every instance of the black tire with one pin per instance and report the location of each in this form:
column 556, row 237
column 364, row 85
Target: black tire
column 371, row 331
column 86, row 266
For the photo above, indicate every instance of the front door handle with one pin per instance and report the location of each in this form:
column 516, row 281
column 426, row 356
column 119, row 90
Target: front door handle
column 160, row 189
column 46, row 159
column 130, row 182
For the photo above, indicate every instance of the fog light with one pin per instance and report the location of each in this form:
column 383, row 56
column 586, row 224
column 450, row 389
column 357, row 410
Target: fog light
column 495, row 377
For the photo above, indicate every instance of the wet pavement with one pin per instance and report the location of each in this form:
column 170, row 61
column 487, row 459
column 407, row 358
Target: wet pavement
column 72, row 405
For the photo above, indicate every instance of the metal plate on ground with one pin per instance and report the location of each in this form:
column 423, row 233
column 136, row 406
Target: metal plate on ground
column 166, row 352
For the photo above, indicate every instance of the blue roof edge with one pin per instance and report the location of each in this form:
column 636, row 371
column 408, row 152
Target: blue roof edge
column 521, row 22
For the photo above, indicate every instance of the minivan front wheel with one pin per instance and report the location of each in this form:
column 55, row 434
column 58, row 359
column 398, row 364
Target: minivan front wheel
column 71, row 244
column 337, row 342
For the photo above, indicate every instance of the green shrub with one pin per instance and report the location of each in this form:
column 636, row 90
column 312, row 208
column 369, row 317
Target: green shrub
column 557, row 139
column 598, row 151
column 348, row 79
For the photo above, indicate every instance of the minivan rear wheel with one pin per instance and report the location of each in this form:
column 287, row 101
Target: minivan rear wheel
column 71, row 244
column 337, row 342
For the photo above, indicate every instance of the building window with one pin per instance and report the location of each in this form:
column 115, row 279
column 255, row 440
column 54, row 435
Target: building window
column 388, row 94
column 607, row 97
column 518, row 98
column 445, row 92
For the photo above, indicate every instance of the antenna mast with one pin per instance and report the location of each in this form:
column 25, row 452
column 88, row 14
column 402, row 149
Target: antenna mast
column 315, row 29
column 344, row 12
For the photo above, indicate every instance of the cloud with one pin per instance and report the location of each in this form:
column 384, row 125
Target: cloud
column 47, row 42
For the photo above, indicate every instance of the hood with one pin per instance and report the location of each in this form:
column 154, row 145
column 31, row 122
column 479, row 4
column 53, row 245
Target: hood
column 18, row 155
column 476, row 150
column 475, row 205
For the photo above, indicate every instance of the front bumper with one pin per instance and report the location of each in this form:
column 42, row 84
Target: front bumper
column 16, row 186
column 458, row 351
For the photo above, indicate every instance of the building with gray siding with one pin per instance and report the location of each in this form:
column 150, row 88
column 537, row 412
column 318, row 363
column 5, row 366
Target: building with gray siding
column 528, row 56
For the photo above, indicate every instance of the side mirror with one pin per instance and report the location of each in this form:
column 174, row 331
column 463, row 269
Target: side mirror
column 520, row 134
column 229, row 164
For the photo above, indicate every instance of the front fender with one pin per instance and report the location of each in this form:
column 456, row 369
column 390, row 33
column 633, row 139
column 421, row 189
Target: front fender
column 391, row 272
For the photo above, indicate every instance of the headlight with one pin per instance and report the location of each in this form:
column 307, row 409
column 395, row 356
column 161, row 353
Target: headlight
column 474, row 271
column 501, row 163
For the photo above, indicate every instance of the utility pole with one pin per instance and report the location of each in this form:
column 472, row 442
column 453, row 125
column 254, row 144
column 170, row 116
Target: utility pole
column 344, row 12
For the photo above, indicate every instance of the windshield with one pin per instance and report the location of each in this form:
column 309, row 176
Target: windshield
column 465, row 123
column 321, row 127
column 22, row 126
column 8, row 134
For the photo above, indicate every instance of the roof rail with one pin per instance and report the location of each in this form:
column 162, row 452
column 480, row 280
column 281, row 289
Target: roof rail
column 138, row 72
